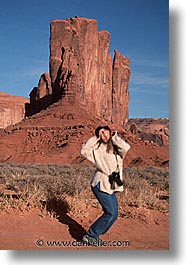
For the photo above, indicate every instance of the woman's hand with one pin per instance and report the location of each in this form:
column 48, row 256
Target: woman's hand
column 114, row 133
column 104, row 135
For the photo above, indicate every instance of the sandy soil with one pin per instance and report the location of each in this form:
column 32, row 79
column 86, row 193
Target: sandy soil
column 34, row 230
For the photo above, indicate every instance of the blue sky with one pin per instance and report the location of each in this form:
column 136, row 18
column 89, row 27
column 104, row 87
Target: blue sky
column 139, row 30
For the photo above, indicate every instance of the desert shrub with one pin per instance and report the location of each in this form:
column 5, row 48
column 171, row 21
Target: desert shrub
column 36, row 185
column 144, row 188
column 23, row 198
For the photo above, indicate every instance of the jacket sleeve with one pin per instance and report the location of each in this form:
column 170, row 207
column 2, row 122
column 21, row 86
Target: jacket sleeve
column 87, row 149
column 123, row 146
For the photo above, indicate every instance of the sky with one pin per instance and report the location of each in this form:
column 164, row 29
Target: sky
column 139, row 30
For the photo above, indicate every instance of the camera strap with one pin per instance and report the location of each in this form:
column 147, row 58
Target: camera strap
column 117, row 168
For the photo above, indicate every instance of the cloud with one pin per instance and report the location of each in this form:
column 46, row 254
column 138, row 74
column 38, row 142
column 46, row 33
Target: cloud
column 148, row 91
column 23, row 78
column 35, row 69
column 149, row 76
column 150, row 63
column 149, row 83
column 149, row 79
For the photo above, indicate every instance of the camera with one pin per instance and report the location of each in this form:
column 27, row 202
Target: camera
column 114, row 177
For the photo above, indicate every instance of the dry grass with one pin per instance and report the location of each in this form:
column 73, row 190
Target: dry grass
column 53, row 187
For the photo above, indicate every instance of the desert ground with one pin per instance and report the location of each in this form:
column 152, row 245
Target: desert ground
column 43, row 212
column 45, row 196
column 33, row 230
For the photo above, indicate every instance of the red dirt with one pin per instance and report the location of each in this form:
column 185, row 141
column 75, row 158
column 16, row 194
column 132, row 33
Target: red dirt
column 23, row 230
column 56, row 134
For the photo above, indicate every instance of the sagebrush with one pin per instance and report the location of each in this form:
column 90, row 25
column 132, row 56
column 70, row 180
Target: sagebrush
column 35, row 185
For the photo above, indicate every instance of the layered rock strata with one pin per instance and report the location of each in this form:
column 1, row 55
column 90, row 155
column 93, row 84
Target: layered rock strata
column 12, row 109
column 82, row 71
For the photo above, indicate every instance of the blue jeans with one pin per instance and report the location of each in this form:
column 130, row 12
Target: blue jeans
column 110, row 207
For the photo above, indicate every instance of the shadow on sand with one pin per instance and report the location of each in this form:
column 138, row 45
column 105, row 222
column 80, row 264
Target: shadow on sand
column 61, row 208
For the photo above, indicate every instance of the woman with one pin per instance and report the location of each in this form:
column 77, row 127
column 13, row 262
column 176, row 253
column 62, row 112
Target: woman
column 107, row 152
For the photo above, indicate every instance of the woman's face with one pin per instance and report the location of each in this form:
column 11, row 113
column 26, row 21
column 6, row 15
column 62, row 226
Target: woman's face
column 104, row 135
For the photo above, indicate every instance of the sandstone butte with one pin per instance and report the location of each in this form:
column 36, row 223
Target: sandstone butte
column 83, row 73
column 85, row 88
column 12, row 109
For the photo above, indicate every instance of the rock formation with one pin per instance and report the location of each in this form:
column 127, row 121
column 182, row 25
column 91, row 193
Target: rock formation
column 120, row 92
column 150, row 130
column 82, row 72
column 41, row 96
column 12, row 109
column 55, row 136
column 84, row 89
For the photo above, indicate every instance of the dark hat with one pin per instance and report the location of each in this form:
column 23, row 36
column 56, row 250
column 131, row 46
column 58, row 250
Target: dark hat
column 101, row 127
column 97, row 131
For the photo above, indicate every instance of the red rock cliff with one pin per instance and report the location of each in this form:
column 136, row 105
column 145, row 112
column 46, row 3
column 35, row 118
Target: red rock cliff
column 12, row 109
column 82, row 71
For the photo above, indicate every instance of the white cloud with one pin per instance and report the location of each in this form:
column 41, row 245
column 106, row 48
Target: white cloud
column 150, row 80
column 150, row 63
column 35, row 69
column 149, row 91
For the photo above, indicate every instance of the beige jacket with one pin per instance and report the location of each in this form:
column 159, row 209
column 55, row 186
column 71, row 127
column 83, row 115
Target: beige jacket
column 106, row 163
